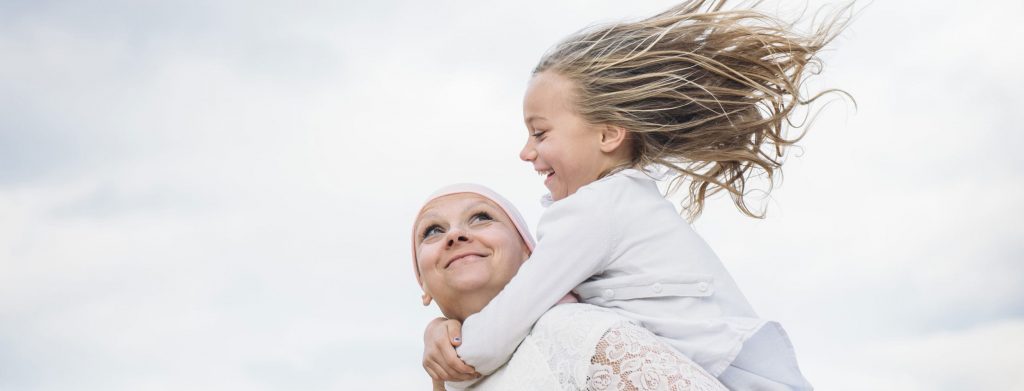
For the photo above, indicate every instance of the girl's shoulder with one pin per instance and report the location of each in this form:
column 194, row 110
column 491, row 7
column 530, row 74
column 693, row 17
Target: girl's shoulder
column 624, row 182
column 617, row 196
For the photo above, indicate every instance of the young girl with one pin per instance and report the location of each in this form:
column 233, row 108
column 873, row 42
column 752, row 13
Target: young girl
column 698, row 92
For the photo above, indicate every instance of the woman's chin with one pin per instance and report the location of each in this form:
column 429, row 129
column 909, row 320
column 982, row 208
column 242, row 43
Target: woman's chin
column 467, row 282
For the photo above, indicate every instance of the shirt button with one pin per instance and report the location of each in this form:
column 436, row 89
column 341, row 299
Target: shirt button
column 656, row 288
column 703, row 287
column 608, row 294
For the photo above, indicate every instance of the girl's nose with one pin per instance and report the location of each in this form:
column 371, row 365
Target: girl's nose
column 528, row 153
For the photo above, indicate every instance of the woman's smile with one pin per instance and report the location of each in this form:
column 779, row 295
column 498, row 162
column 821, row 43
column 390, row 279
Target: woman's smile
column 463, row 258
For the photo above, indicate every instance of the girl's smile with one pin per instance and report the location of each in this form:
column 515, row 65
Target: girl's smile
column 564, row 148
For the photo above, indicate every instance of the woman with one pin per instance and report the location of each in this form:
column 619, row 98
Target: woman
column 468, row 242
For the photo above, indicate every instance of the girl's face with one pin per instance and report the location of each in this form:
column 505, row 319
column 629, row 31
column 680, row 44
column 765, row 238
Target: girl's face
column 562, row 146
column 467, row 250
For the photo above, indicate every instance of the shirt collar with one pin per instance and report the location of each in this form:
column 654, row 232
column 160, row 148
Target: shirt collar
column 651, row 173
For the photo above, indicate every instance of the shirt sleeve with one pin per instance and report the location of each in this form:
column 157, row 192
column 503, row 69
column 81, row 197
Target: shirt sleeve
column 575, row 243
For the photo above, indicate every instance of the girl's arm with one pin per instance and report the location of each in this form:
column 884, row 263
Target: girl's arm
column 575, row 243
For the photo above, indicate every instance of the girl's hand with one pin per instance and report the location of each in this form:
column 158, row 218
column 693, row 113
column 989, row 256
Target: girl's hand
column 439, row 357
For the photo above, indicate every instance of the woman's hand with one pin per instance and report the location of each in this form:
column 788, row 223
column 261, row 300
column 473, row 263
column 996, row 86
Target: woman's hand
column 438, row 385
column 439, row 357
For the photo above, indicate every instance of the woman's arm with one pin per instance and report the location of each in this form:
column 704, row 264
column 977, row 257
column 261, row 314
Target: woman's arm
column 438, row 385
column 575, row 242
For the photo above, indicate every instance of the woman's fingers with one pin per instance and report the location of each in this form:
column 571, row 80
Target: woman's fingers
column 451, row 356
column 430, row 371
column 454, row 331
column 435, row 362
column 446, row 374
column 440, row 359
column 436, row 371
column 453, row 362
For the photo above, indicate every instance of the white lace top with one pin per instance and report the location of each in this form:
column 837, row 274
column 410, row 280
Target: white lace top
column 585, row 347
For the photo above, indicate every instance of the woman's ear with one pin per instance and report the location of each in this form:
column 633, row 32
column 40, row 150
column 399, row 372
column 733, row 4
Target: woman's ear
column 426, row 299
column 612, row 137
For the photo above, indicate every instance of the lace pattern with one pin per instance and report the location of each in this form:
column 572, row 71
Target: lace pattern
column 592, row 348
column 629, row 358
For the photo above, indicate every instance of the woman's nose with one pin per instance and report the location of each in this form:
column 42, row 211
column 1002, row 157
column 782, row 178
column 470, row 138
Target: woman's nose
column 460, row 238
column 457, row 235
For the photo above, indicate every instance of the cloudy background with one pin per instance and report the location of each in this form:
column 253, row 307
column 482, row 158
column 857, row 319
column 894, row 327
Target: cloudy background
column 217, row 194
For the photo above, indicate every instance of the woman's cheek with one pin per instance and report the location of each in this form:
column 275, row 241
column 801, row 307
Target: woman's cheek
column 427, row 257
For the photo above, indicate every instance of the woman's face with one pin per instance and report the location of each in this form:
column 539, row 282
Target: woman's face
column 467, row 250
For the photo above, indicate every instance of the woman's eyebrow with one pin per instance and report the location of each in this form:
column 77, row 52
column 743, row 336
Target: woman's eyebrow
column 425, row 218
column 497, row 213
column 477, row 204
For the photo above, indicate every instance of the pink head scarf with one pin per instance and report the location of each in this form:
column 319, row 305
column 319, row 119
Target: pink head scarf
column 505, row 205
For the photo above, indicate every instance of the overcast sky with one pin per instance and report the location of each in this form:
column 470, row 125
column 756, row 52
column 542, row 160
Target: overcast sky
column 217, row 195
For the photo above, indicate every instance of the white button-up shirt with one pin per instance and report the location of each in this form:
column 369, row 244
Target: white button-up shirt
column 618, row 243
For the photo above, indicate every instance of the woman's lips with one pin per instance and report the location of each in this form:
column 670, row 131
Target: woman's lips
column 463, row 258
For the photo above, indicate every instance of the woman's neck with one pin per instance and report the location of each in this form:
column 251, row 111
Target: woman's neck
column 467, row 304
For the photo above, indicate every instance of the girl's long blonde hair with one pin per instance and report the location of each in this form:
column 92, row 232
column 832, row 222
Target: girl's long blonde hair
column 701, row 90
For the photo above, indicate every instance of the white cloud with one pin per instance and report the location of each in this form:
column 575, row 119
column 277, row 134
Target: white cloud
column 217, row 195
column 986, row 357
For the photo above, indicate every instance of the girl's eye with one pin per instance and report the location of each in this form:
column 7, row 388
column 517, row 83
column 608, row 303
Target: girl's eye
column 482, row 216
column 432, row 230
column 538, row 134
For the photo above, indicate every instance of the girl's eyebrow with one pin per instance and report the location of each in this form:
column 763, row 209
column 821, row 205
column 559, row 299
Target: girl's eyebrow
column 534, row 117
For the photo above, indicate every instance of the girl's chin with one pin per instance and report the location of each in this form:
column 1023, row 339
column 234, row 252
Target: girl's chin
column 556, row 193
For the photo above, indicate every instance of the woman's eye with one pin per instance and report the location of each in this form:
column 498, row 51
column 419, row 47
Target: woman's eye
column 538, row 134
column 482, row 216
column 431, row 230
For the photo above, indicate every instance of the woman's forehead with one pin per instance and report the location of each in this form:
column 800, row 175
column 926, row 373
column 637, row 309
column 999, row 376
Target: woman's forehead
column 455, row 203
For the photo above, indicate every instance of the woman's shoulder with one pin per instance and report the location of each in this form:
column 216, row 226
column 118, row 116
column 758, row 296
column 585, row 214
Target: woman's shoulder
column 588, row 347
column 558, row 351
column 568, row 335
